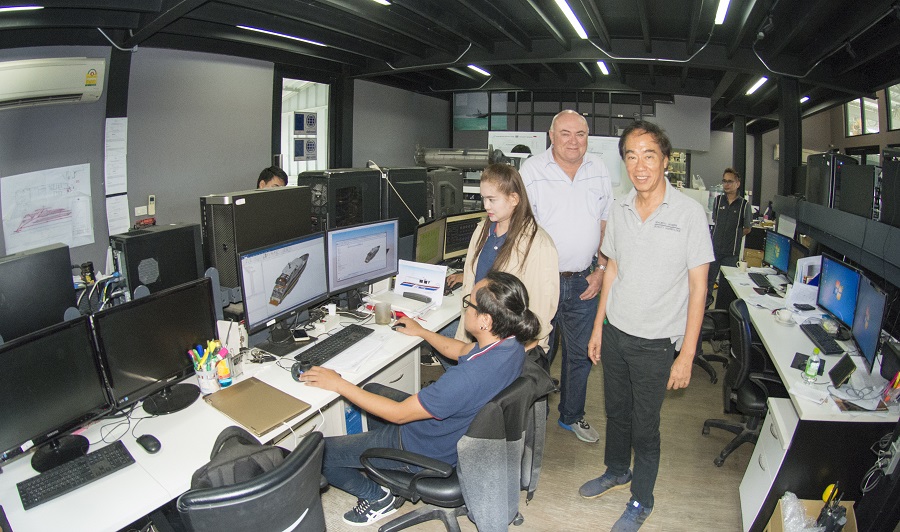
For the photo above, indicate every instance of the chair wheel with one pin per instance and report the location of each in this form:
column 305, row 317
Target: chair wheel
column 719, row 461
column 518, row 520
column 705, row 431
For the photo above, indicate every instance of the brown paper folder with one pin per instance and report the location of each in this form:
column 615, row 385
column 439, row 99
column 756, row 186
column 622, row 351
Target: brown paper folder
column 256, row 405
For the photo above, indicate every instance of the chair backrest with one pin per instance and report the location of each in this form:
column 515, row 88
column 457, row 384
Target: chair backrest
column 285, row 498
column 741, row 344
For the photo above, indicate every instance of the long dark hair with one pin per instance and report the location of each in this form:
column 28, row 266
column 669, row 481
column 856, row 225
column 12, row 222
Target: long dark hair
column 522, row 224
column 505, row 299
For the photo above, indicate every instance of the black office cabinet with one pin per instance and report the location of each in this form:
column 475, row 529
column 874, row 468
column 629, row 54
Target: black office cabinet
column 344, row 196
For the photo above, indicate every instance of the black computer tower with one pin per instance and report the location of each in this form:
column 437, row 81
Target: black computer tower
column 445, row 185
column 823, row 177
column 241, row 221
column 890, row 187
column 860, row 186
column 343, row 196
column 158, row 257
column 406, row 187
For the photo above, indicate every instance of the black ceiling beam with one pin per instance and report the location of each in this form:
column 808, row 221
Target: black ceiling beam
column 148, row 6
column 165, row 18
column 587, row 71
column 500, row 22
column 596, row 19
column 743, row 27
column 446, row 20
column 548, row 24
column 645, row 24
column 723, row 85
column 884, row 43
column 78, row 18
column 839, row 35
column 693, row 25
column 791, row 22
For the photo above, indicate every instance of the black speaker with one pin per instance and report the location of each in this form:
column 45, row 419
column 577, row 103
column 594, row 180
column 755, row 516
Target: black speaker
column 158, row 257
column 343, row 197
column 890, row 187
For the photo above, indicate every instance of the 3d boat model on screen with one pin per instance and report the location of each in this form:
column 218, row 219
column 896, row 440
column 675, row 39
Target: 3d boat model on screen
column 372, row 253
column 288, row 279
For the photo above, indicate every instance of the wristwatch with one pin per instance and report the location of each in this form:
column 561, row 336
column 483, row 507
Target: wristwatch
column 601, row 267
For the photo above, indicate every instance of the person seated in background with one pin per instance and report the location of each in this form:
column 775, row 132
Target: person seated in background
column 432, row 421
column 272, row 177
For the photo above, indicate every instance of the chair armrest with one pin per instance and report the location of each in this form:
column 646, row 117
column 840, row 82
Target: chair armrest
column 770, row 383
column 431, row 468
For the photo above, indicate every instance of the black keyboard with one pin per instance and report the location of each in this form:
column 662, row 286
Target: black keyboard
column 760, row 280
column 821, row 338
column 73, row 474
column 324, row 350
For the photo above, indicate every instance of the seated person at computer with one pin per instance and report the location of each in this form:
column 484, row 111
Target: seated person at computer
column 432, row 422
column 510, row 240
column 271, row 177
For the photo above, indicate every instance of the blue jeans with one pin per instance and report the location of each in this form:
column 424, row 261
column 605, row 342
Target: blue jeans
column 572, row 325
column 635, row 374
column 341, row 465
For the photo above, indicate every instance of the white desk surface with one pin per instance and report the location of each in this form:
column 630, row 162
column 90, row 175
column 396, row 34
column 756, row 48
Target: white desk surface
column 187, row 438
column 783, row 342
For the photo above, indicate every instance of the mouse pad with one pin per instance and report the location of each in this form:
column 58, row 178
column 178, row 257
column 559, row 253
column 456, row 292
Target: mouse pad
column 799, row 362
column 257, row 406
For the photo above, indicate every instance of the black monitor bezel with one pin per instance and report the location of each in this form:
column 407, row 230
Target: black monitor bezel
column 819, row 299
column 123, row 401
column 871, row 361
column 328, row 255
column 464, row 216
column 443, row 223
column 282, row 316
column 795, row 244
column 770, row 232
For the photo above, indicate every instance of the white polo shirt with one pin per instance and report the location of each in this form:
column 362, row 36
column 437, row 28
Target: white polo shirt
column 570, row 210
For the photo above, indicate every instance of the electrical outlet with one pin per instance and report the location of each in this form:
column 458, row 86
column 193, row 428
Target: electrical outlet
column 140, row 211
column 151, row 204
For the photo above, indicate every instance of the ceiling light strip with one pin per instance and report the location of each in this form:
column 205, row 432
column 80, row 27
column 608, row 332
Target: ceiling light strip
column 282, row 35
column 573, row 20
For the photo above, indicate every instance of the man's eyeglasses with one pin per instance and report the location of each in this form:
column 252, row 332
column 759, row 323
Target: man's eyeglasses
column 467, row 303
column 728, row 182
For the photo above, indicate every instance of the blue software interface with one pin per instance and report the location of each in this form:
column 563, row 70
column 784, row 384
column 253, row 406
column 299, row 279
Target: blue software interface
column 869, row 314
column 838, row 286
column 778, row 251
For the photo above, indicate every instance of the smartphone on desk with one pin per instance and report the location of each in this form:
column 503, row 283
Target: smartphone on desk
column 300, row 335
column 803, row 306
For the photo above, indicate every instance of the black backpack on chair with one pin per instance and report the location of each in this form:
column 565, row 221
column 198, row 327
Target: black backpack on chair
column 236, row 457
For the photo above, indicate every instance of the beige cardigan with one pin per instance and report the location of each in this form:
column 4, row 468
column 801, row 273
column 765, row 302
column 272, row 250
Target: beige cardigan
column 540, row 275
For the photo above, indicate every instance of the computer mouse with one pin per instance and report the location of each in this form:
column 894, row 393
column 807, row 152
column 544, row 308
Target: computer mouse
column 397, row 326
column 299, row 368
column 149, row 443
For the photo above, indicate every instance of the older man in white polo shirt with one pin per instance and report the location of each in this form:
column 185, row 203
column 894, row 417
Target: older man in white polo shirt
column 570, row 193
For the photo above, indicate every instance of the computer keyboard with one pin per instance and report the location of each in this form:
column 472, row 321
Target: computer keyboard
column 73, row 474
column 324, row 350
column 760, row 280
column 826, row 344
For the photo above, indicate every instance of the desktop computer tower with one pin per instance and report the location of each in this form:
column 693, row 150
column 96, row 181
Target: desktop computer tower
column 860, row 187
column 236, row 222
column 158, row 257
column 408, row 184
column 445, row 186
column 823, row 177
column 342, row 197
column 890, row 187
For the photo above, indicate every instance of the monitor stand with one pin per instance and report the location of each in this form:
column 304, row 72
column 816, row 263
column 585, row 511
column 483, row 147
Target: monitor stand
column 171, row 399
column 843, row 334
column 58, row 452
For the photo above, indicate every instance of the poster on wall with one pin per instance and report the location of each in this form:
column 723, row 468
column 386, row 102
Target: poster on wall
column 471, row 111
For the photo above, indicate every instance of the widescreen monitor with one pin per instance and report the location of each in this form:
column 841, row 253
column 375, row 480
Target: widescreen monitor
column 361, row 254
column 798, row 251
column 36, row 288
column 867, row 322
column 280, row 280
column 778, row 250
column 838, row 286
column 143, row 345
column 430, row 242
column 458, row 233
column 50, row 386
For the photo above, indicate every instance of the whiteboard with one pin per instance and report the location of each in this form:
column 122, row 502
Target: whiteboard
column 607, row 148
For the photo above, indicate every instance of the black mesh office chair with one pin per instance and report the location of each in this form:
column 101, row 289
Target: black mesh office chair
column 747, row 384
column 497, row 458
column 285, row 498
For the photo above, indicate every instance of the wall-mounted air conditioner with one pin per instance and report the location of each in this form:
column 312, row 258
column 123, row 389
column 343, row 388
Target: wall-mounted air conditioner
column 48, row 81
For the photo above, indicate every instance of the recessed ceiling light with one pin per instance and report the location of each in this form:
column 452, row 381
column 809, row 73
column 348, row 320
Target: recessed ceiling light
column 480, row 70
column 20, row 8
column 804, row 99
column 722, row 11
column 282, row 35
column 757, row 85
column 382, row 2
column 603, row 68
column 573, row 20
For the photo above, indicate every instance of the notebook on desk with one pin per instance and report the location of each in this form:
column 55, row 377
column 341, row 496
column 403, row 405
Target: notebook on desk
column 256, row 405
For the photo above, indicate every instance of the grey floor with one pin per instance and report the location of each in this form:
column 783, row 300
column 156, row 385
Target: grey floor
column 691, row 493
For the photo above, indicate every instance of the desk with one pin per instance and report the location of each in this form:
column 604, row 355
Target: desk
column 803, row 446
column 187, row 438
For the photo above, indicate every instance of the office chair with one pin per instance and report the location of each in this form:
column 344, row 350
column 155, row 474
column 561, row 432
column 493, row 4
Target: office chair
column 285, row 498
column 715, row 329
column 499, row 455
column 746, row 386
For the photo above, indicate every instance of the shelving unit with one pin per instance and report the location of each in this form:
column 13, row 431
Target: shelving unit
column 679, row 166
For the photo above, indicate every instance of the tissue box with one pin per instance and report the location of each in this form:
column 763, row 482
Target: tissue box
column 812, row 508
column 754, row 257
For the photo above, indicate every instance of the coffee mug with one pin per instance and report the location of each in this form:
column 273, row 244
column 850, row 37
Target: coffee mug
column 742, row 265
column 383, row 314
column 784, row 315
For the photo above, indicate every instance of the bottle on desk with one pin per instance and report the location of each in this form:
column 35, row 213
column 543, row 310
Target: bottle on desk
column 812, row 367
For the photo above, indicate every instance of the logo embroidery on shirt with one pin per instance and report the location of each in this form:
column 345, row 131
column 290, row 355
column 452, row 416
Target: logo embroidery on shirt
column 667, row 226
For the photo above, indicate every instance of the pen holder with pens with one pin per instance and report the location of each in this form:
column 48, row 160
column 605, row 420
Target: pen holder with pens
column 212, row 366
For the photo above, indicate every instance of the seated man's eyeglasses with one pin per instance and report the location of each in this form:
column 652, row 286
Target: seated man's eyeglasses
column 467, row 303
column 728, row 182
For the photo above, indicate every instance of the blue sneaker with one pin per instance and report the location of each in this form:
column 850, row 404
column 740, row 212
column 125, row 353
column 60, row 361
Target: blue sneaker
column 634, row 516
column 604, row 484
column 582, row 430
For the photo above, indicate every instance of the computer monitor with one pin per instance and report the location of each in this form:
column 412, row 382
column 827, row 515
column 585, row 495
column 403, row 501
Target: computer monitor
column 362, row 254
column 430, row 242
column 280, row 280
column 778, row 249
column 36, row 288
column 458, row 233
column 867, row 321
column 143, row 345
column 838, row 287
column 50, row 386
column 798, row 251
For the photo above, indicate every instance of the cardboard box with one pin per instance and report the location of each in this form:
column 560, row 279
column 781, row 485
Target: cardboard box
column 812, row 508
column 754, row 257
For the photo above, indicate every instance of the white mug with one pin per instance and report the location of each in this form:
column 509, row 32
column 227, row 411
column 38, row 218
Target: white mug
column 783, row 315
column 742, row 265
column 383, row 313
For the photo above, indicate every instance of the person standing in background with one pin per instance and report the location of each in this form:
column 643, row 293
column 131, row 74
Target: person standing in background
column 732, row 218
